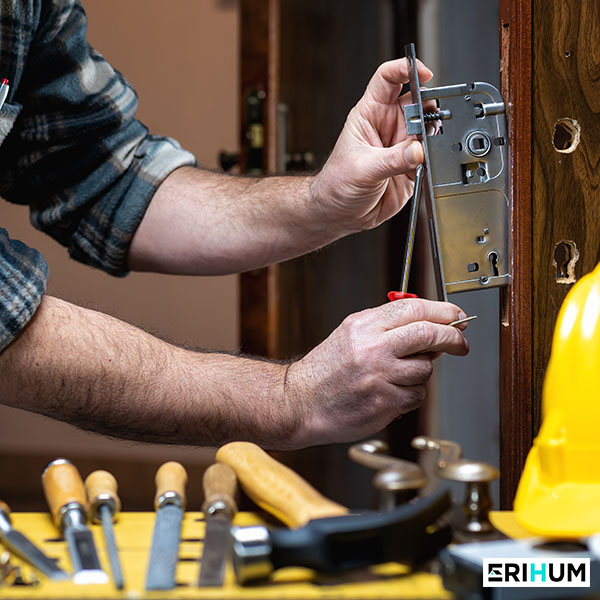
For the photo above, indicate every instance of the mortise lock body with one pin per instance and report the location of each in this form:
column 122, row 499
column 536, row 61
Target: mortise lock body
column 465, row 181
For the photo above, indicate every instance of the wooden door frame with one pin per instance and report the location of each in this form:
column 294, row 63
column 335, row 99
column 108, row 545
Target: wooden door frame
column 516, row 330
column 259, row 47
column 259, row 289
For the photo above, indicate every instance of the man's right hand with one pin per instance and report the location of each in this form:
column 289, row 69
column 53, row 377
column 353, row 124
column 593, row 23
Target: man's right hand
column 99, row 373
column 370, row 370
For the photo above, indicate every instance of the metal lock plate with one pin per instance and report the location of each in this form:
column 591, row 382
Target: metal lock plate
column 465, row 182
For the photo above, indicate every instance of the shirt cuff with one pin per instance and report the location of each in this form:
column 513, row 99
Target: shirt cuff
column 23, row 279
column 103, row 237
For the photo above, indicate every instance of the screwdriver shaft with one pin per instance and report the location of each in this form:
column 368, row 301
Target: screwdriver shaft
column 412, row 228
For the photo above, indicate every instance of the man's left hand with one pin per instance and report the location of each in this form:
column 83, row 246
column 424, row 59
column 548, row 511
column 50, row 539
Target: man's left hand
column 370, row 173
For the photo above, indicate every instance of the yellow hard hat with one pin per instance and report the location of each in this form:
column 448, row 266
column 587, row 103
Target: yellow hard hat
column 559, row 491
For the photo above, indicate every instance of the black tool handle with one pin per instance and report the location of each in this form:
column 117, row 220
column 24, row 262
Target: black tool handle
column 336, row 543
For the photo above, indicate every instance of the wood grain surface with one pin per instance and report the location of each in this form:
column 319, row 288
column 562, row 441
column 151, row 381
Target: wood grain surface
column 516, row 338
column 551, row 72
column 566, row 197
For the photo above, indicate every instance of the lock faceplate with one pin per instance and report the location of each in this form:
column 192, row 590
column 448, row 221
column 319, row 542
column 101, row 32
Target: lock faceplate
column 465, row 183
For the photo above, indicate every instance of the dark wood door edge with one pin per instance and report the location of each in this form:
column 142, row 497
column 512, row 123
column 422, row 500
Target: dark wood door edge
column 516, row 337
column 259, row 71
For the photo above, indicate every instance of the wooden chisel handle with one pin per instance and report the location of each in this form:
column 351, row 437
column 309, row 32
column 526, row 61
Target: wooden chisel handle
column 275, row 487
column 101, row 489
column 63, row 485
column 220, row 485
column 170, row 479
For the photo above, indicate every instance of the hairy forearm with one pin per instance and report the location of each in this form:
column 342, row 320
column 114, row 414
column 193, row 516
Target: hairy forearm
column 205, row 223
column 200, row 222
column 101, row 374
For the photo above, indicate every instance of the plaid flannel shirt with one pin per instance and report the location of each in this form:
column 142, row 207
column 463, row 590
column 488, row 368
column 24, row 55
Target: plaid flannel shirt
column 71, row 149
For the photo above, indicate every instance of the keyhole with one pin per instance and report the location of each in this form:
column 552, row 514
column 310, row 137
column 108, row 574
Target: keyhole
column 564, row 259
column 493, row 258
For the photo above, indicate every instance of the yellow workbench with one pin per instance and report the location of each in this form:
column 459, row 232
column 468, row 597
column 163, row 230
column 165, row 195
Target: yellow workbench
column 133, row 532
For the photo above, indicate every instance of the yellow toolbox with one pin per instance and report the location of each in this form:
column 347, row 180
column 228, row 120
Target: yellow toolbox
column 133, row 532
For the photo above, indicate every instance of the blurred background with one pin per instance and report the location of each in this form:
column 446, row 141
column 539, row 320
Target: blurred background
column 184, row 61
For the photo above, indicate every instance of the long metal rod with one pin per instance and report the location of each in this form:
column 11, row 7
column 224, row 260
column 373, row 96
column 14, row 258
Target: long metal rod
column 415, row 90
column 412, row 229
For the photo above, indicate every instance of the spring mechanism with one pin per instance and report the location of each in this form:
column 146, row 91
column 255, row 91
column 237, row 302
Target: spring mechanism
column 436, row 116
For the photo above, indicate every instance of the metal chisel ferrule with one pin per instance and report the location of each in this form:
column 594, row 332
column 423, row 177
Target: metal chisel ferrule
column 102, row 501
column 72, row 515
column 170, row 498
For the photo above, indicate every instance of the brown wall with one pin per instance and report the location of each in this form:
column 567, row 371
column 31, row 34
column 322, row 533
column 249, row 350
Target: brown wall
column 182, row 58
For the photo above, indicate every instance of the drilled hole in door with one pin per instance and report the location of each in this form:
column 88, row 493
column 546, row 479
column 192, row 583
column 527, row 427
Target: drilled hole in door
column 564, row 258
column 567, row 135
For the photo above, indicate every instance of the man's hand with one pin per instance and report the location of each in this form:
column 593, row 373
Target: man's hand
column 204, row 223
column 105, row 375
column 371, row 369
column 370, row 173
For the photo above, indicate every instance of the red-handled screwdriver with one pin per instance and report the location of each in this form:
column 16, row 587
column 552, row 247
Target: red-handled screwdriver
column 410, row 239
column 400, row 296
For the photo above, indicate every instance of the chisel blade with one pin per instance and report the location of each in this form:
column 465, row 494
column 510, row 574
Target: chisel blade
column 217, row 546
column 18, row 544
column 165, row 548
column 84, row 558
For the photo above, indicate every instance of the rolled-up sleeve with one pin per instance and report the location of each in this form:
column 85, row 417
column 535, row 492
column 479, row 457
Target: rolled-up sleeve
column 76, row 154
column 23, row 277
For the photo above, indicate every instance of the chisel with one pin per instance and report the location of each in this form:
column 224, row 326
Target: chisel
column 169, row 503
column 66, row 497
column 325, row 537
column 105, row 505
column 18, row 544
column 219, row 507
